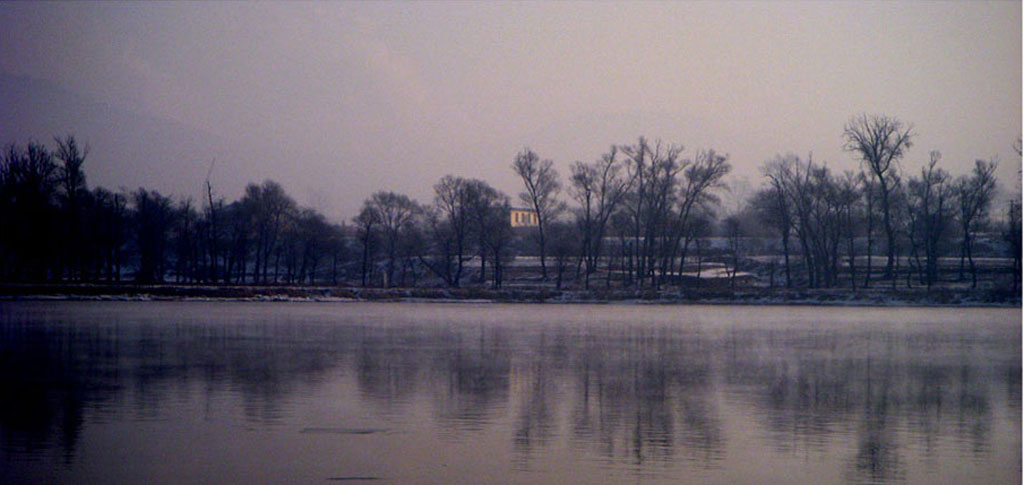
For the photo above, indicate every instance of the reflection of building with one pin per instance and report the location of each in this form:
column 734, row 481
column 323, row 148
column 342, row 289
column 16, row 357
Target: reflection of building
column 522, row 217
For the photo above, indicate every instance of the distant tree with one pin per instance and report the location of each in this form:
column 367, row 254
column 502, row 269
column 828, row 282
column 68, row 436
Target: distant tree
column 599, row 189
column 498, row 236
column 564, row 245
column 653, row 169
column 880, row 142
column 848, row 196
column 108, row 216
column 239, row 217
column 268, row 205
column 315, row 238
column 154, row 217
column 774, row 205
column 1012, row 237
column 339, row 250
column 187, row 242
column 366, row 226
column 974, row 195
column 869, row 192
column 213, row 229
column 930, row 199
column 29, row 239
column 488, row 215
column 701, row 178
column 701, row 227
column 542, row 187
column 732, row 228
column 395, row 214
column 449, row 228
column 72, row 192
column 816, row 205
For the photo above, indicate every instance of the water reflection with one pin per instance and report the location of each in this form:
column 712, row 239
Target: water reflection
column 650, row 396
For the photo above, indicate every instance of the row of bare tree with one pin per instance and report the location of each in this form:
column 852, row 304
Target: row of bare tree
column 53, row 228
column 650, row 184
column 921, row 217
column 638, row 216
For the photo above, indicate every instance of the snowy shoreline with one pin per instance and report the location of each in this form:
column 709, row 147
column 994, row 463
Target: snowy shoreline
column 875, row 297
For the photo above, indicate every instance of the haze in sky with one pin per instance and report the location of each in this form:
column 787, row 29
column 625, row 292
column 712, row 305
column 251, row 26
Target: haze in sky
column 338, row 100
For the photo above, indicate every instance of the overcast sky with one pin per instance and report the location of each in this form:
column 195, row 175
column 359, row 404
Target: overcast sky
column 338, row 100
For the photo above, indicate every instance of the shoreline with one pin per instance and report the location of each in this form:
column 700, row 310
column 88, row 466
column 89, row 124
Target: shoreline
column 873, row 297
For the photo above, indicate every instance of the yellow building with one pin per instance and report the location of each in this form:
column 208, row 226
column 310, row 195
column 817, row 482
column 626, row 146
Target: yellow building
column 522, row 217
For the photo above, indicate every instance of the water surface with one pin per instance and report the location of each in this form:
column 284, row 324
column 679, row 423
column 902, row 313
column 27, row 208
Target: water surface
column 182, row 392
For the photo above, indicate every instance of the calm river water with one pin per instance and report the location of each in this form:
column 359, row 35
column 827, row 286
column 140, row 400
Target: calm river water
column 191, row 392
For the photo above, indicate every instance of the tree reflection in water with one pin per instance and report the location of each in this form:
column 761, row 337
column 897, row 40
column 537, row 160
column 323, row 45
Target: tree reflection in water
column 646, row 394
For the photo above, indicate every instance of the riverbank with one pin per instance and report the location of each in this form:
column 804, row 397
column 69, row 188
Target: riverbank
column 750, row 296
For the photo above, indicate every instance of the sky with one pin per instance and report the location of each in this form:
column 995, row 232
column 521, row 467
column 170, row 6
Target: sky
column 339, row 100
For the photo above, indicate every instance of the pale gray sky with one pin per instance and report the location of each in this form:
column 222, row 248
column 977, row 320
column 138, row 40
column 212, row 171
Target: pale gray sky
column 337, row 100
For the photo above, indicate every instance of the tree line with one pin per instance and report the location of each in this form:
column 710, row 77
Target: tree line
column 643, row 215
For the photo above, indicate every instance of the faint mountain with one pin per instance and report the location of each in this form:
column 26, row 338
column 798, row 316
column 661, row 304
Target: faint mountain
column 126, row 148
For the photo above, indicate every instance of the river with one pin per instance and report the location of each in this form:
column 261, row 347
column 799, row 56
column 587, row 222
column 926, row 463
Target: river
column 273, row 392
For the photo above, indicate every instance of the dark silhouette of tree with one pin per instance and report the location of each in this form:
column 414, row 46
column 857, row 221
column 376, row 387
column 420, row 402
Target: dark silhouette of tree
column 394, row 213
column 73, row 191
column 367, row 223
column 700, row 179
column 154, row 216
column 239, row 216
column 29, row 195
column 542, row 187
column 974, row 195
column 930, row 204
column 339, row 249
column 448, row 225
column 773, row 203
column 268, row 205
column 108, row 218
column 1012, row 237
column 880, row 142
column 599, row 189
column 849, row 196
column 488, row 216
column 653, row 170
column 819, row 208
column 564, row 244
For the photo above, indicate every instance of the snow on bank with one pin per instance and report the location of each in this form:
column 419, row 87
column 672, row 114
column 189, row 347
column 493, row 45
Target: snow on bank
column 569, row 297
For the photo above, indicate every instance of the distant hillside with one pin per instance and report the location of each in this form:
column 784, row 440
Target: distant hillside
column 126, row 148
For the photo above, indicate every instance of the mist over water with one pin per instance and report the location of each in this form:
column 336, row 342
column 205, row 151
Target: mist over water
column 441, row 393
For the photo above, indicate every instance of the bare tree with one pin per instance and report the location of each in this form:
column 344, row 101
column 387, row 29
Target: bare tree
column 849, row 193
column 268, row 205
column 154, row 218
column 930, row 208
column 395, row 214
column 366, row 224
column 869, row 193
column 700, row 178
column 542, row 187
column 974, row 195
column 73, row 191
column 775, row 206
column 488, row 216
column 880, row 142
column 653, row 170
column 598, row 188
column 450, row 227
column 564, row 245
column 815, row 204
column 1012, row 237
